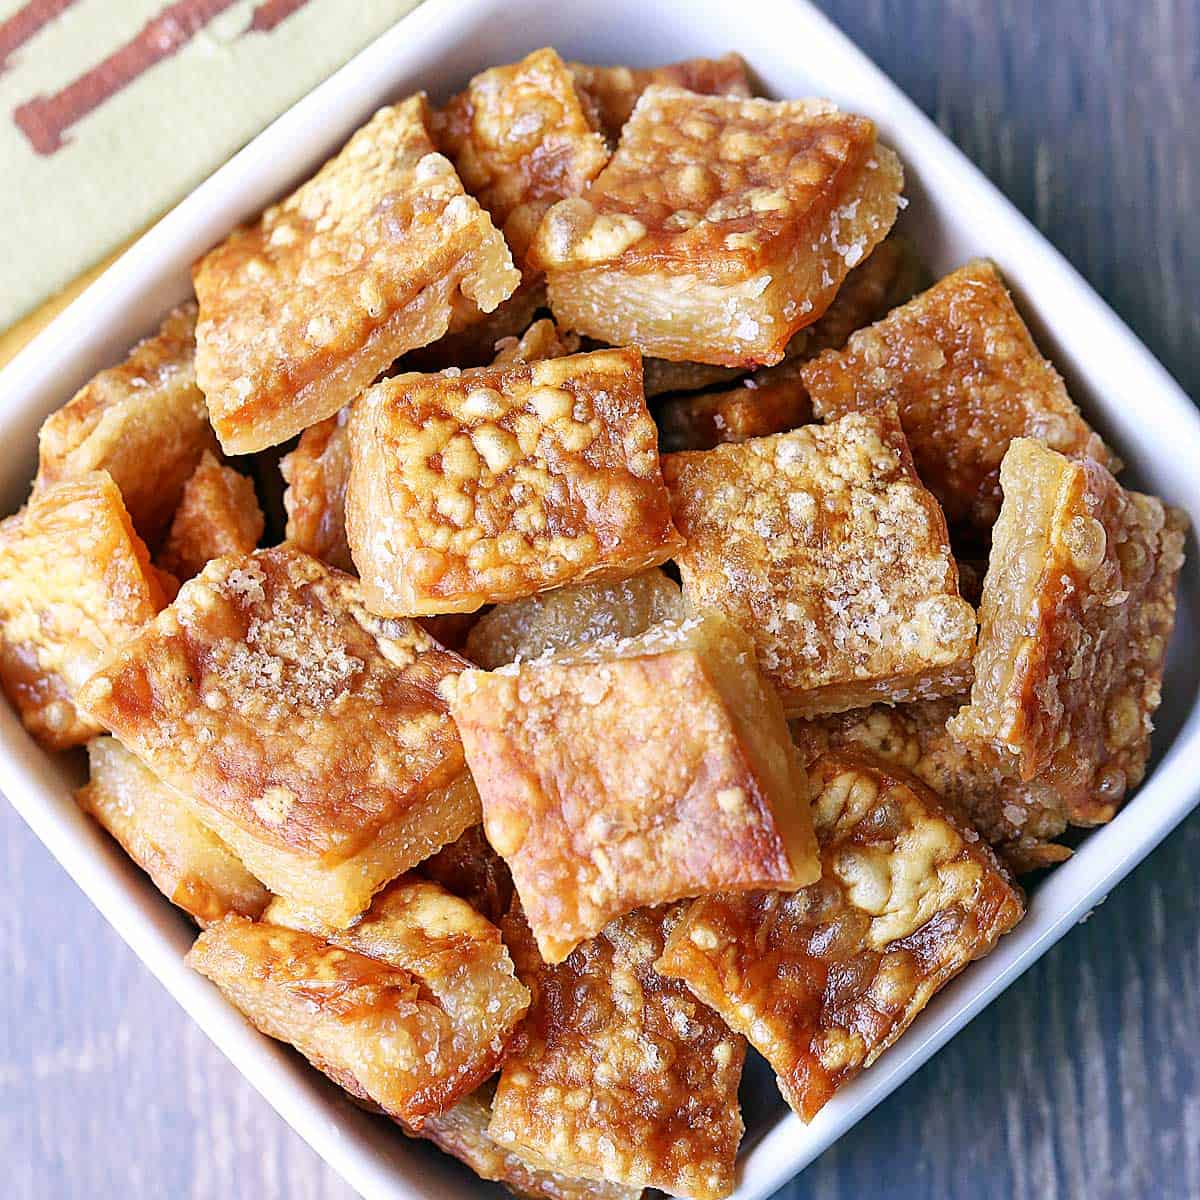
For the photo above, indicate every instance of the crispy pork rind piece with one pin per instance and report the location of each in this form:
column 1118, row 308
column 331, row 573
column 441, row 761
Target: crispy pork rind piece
column 317, row 473
column 636, row 772
column 823, row 544
column 188, row 863
column 573, row 616
column 618, row 1072
column 311, row 736
column 410, row 1010
column 144, row 422
column 543, row 339
column 825, row 979
column 75, row 583
column 1020, row 819
column 614, row 91
column 663, row 377
column 495, row 483
column 468, row 867
column 720, row 227
column 966, row 377
column 521, row 139
column 217, row 514
column 368, row 259
column 1078, row 608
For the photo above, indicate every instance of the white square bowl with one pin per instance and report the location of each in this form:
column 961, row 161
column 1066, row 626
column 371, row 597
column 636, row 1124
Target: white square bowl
column 955, row 214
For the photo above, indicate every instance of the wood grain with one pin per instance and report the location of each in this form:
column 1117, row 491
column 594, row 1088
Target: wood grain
column 1083, row 1079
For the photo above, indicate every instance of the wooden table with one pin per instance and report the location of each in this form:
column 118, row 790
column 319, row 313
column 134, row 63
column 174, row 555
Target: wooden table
column 1083, row 1080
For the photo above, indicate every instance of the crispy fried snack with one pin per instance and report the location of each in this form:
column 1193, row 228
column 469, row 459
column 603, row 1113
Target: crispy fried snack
column 317, row 473
column 144, row 422
column 468, row 867
column 1020, row 819
column 961, row 368
column 75, row 583
column 663, row 377
column 521, row 139
column 310, row 735
column 720, row 227
column 218, row 514
column 627, row 773
column 614, row 91
column 825, row 547
column 618, row 1073
column 188, row 863
column 411, row 1009
column 823, row 980
column 543, row 339
column 573, row 616
column 368, row 259
column 496, row 483
column 1078, row 608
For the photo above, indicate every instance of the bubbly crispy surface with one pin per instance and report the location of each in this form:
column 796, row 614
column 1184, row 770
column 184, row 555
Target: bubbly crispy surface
column 190, row 865
column 217, row 514
column 144, row 422
column 1078, row 607
column 75, row 583
column 614, row 91
column 1020, row 819
column 470, row 868
column 823, row 980
column 619, row 1073
column 825, row 547
column 964, row 373
column 317, row 473
column 572, row 616
column 272, row 698
column 720, row 227
column 412, row 1008
column 636, row 772
column 368, row 259
column 521, row 139
column 494, row 483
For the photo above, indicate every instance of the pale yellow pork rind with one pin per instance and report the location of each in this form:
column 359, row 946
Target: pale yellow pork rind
column 573, row 616
column 188, row 863
column 825, row 547
column 495, row 483
column 317, row 473
column 144, row 422
column 310, row 735
column 618, row 1072
column 959, row 365
column 720, row 227
column 1078, row 607
column 823, row 980
column 75, row 583
column 411, row 1009
column 628, row 773
column 217, row 514
column 370, row 258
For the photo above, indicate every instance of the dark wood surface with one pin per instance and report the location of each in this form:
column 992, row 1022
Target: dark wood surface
column 1083, row 1080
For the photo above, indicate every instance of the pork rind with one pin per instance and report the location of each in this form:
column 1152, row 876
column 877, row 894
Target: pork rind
column 368, row 259
column 317, row 473
column 75, row 583
column 521, row 139
column 573, row 616
column 1021, row 819
column 469, row 868
column 411, row 1009
column 825, row 547
column 961, row 368
column 1078, row 608
column 663, row 377
column 310, row 735
column 543, row 339
column 218, row 514
column 720, row 227
column 495, row 483
column 188, row 863
column 614, row 91
column 825, row 979
column 144, row 422
column 618, row 1073
column 636, row 772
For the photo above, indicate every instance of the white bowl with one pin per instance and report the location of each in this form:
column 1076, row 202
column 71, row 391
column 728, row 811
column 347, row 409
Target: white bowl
column 955, row 214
